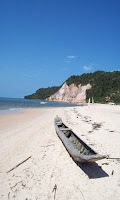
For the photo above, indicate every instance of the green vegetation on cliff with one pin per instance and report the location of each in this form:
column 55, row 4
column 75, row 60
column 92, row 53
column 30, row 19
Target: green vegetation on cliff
column 43, row 93
column 105, row 85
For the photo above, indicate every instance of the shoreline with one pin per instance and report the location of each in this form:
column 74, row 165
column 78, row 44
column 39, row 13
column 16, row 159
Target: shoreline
column 32, row 133
column 18, row 110
column 11, row 111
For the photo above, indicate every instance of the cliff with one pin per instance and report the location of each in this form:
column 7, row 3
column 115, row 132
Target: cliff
column 71, row 93
column 77, row 88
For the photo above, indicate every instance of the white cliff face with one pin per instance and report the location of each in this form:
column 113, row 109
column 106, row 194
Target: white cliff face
column 71, row 93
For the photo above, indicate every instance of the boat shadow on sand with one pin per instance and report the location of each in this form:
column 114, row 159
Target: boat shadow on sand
column 92, row 170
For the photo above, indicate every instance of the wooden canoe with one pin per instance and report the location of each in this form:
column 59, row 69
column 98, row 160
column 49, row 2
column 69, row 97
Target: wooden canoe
column 77, row 149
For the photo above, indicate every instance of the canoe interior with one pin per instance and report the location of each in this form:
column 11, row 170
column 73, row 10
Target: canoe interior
column 76, row 141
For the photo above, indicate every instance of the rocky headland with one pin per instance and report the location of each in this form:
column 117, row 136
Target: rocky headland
column 103, row 86
column 71, row 93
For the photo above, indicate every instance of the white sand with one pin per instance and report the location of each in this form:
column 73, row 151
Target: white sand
column 32, row 134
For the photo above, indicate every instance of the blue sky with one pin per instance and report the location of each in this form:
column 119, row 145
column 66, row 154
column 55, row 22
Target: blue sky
column 43, row 42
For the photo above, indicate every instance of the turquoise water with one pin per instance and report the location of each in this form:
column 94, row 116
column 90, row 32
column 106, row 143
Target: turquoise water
column 19, row 103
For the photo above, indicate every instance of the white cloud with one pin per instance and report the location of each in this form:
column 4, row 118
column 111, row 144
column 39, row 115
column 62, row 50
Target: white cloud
column 87, row 68
column 67, row 61
column 71, row 57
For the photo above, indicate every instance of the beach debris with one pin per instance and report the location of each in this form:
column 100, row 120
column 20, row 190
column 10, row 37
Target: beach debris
column 112, row 172
column 90, row 131
column 48, row 145
column 105, row 163
column 80, row 191
column 112, row 158
column 23, row 185
column 54, row 190
column 96, row 125
column 91, row 144
column 43, row 156
column 15, row 185
column 19, row 164
column 111, row 131
column 9, row 195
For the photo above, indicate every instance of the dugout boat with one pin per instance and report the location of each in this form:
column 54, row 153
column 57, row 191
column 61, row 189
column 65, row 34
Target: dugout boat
column 77, row 149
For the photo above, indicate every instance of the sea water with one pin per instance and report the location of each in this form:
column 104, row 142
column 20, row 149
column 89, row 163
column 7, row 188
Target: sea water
column 10, row 105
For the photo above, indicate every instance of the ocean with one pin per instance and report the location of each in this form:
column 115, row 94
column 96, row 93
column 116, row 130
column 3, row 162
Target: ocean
column 10, row 105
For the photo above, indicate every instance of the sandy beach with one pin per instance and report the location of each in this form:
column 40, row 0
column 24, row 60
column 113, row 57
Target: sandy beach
column 31, row 134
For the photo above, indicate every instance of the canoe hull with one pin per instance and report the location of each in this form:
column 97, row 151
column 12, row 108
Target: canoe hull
column 72, row 150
